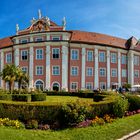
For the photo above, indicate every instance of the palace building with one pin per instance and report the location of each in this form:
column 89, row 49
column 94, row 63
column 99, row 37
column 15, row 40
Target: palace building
column 60, row 59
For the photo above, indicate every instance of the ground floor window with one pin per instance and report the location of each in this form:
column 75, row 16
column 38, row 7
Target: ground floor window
column 102, row 85
column 39, row 85
column 74, row 86
column 89, row 86
column 56, row 86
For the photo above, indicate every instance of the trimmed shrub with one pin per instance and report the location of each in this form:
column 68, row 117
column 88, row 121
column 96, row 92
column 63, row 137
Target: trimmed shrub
column 32, row 124
column 7, row 97
column 21, row 97
column 120, row 106
column 38, row 97
column 134, row 102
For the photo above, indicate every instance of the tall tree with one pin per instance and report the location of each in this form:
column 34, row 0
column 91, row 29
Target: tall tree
column 9, row 75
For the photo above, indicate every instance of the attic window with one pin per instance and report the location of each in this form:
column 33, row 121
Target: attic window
column 23, row 40
column 38, row 39
column 55, row 38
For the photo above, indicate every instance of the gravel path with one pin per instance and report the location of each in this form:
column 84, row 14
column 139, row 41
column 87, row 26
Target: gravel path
column 136, row 137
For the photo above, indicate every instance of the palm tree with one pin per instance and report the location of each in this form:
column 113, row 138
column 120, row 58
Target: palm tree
column 8, row 74
column 22, row 78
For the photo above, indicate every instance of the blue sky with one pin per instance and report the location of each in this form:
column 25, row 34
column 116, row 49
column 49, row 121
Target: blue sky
column 114, row 17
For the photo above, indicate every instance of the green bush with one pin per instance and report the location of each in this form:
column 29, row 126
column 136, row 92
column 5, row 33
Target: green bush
column 120, row 106
column 38, row 97
column 134, row 102
column 74, row 113
column 21, row 97
column 32, row 124
column 6, row 97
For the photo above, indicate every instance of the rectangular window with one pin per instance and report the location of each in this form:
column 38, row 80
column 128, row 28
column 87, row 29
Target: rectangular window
column 136, row 73
column 102, row 72
column 74, row 71
column 89, row 71
column 25, row 69
column 89, row 55
column 114, row 72
column 55, row 52
column 102, row 85
column 24, row 55
column 102, row 57
column 8, row 57
column 56, row 70
column 123, row 72
column 123, row 59
column 136, row 60
column 74, row 86
column 89, row 86
column 113, row 58
column 39, row 70
column 39, row 54
column 74, row 54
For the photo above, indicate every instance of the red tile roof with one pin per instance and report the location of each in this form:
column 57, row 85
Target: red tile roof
column 97, row 38
column 6, row 42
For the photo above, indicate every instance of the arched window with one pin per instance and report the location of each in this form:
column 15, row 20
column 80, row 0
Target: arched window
column 56, row 86
column 39, row 85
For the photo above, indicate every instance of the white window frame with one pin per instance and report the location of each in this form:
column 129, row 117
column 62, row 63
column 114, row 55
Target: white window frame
column 39, row 54
column 42, row 70
column 89, row 57
column 58, row 69
column 21, row 55
column 7, row 58
column 124, row 75
column 87, row 74
column 113, row 59
column 105, row 72
column 24, row 67
column 77, row 54
column 104, row 59
column 104, row 84
column 74, row 83
column 90, row 84
column 112, row 72
column 53, row 51
column 77, row 71
column 136, row 71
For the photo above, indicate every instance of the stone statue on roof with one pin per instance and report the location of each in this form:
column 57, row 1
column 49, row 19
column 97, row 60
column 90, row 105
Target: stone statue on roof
column 64, row 23
column 39, row 14
column 48, row 21
column 17, row 28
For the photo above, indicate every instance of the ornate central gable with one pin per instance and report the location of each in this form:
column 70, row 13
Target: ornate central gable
column 41, row 24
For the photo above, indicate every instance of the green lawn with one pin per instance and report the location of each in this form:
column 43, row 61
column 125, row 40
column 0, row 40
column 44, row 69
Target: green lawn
column 50, row 100
column 107, row 132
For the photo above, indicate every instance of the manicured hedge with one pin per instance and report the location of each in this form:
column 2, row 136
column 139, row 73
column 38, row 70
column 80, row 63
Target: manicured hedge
column 21, row 97
column 6, row 97
column 38, row 97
